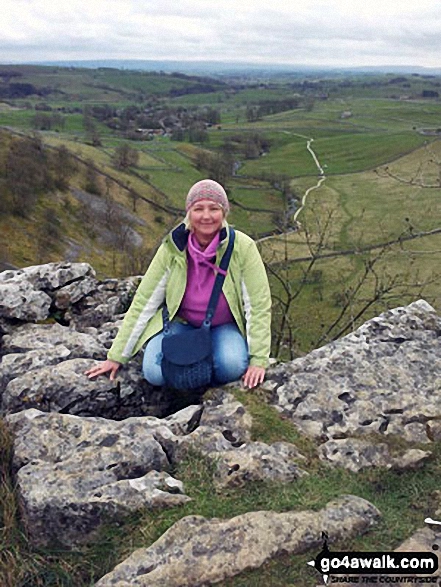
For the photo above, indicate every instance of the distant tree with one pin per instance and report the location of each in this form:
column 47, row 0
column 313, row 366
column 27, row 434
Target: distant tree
column 58, row 120
column 252, row 113
column 136, row 259
column 212, row 115
column 27, row 174
column 125, row 156
column 252, row 150
column 178, row 134
column 91, row 179
column 64, row 166
column 18, row 90
column 203, row 159
column 309, row 103
column 134, row 197
column 229, row 146
column 5, row 198
column 92, row 134
column 218, row 166
column 42, row 121
column 197, row 134
column 43, row 107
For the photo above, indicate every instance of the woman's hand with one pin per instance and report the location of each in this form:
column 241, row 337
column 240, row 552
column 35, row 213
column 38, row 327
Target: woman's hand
column 103, row 368
column 253, row 376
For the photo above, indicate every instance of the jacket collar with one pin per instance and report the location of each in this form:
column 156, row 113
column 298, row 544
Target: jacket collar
column 179, row 236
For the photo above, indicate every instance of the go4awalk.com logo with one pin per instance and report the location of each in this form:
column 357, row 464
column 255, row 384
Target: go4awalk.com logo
column 377, row 568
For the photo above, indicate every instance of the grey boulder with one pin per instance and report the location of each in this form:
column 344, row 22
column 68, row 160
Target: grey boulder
column 74, row 474
column 196, row 552
column 383, row 378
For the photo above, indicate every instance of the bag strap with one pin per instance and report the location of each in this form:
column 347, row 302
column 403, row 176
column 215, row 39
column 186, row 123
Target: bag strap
column 219, row 281
column 216, row 291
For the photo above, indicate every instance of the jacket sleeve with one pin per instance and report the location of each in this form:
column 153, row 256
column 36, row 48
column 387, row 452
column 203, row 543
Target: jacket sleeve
column 256, row 297
column 148, row 298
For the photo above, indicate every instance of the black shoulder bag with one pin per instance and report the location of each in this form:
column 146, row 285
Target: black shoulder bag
column 187, row 358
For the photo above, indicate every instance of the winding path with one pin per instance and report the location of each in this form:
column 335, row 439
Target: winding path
column 322, row 178
column 319, row 183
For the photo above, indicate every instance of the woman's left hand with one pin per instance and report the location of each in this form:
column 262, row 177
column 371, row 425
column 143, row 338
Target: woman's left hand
column 253, row 376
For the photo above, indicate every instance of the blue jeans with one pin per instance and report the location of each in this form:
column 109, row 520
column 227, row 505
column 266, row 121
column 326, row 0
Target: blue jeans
column 230, row 353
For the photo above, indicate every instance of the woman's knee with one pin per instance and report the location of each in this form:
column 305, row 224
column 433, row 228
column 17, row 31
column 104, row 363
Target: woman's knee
column 230, row 353
column 151, row 363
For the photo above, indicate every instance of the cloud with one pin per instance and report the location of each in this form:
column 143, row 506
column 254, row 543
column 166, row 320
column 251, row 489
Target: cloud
column 343, row 32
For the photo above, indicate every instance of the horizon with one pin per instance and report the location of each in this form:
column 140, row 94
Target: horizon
column 207, row 65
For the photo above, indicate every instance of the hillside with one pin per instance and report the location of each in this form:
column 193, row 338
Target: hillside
column 335, row 174
column 59, row 205
column 105, row 84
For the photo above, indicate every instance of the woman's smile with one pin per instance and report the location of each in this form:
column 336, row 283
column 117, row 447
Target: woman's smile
column 206, row 219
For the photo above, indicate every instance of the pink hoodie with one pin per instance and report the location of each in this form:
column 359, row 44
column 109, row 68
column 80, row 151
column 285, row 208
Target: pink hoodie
column 201, row 274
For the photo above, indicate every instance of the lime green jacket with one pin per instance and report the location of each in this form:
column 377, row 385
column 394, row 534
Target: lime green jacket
column 245, row 287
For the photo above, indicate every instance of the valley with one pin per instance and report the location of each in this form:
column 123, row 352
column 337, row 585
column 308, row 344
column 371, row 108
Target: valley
column 331, row 174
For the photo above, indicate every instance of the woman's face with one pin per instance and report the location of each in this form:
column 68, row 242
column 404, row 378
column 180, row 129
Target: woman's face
column 206, row 219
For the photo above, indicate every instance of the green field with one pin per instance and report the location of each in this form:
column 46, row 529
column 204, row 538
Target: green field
column 99, row 85
column 375, row 137
column 337, row 154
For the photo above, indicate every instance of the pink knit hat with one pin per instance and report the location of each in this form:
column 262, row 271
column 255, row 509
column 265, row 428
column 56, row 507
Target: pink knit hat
column 207, row 189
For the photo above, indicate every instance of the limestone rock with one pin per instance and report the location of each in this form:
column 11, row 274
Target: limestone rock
column 50, row 276
column 229, row 416
column 26, row 294
column 43, row 367
column 196, row 551
column 62, row 388
column 15, row 364
column 257, row 461
column 234, row 466
column 106, row 303
column 411, row 459
column 73, row 474
column 77, row 500
column 6, row 326
column 185, row 421
column 22, row 301
column 31, row 347
column 69, row 294
column 69, row 467
column 46, row 336
column 433, row 429
column 204, row 440
column 355, row 454
column 381, row 378
column 415, row 432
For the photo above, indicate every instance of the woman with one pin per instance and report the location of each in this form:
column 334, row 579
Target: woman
column 182, row 274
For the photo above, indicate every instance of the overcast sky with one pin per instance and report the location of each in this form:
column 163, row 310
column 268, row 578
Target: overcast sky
column 310, row 32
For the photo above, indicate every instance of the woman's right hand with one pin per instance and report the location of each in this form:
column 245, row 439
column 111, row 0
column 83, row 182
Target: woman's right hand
column 106, row 366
